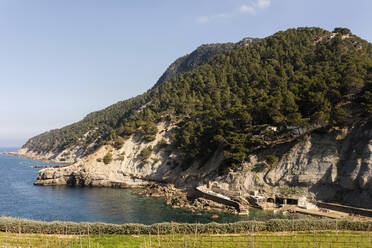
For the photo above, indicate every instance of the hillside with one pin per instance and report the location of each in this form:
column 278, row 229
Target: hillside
column 283, row 111
column 98, row 126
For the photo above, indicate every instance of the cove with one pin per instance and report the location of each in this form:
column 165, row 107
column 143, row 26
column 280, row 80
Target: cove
column 20, row 198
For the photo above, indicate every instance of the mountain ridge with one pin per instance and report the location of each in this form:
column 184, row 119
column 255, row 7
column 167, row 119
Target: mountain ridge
column 201, row 55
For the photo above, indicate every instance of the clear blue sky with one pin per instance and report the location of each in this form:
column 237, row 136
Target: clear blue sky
column 60, row 60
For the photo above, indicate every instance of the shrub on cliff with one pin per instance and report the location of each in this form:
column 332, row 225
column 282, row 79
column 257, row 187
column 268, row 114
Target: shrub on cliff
column 162, row 143
column 146, row 153
column 149, row 137
column 271, row 160
column 107, row 158
column 118, row 143
column 121, row 157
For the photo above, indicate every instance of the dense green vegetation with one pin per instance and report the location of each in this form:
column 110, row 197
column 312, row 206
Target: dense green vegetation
column 200, row 56
column 366, row 96
column 301, row 78
column 16, row 225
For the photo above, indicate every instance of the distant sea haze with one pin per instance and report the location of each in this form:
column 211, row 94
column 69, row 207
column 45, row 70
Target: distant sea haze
column 8, row 149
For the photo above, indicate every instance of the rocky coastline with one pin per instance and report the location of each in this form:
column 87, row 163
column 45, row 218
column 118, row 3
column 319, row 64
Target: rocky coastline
column 183, row 198
column 332, row 165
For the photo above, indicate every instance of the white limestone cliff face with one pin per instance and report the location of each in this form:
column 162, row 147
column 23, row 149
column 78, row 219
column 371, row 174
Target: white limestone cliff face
column 128, row 169
column 330, row 165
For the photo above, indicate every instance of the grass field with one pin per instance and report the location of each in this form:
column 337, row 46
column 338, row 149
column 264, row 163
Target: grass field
column 326, row 239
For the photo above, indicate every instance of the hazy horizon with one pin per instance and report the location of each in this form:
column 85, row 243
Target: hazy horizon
column 64, row 59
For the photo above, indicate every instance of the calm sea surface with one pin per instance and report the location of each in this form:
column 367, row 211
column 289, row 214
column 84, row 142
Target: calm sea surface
column 20, row 198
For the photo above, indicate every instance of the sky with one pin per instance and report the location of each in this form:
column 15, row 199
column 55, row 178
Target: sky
column 62, row 59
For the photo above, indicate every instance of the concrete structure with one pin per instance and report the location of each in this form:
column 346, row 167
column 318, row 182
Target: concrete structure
column 206, row 193
column 345, row 209
column 270, row 201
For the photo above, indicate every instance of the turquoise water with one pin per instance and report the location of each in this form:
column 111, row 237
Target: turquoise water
column 20, row 198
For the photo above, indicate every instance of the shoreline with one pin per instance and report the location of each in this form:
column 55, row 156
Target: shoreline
column 190, row 199
column 175, row 197
column 186, row 198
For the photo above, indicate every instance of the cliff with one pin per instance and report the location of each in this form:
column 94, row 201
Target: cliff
column 329, row 165
column 129, row 168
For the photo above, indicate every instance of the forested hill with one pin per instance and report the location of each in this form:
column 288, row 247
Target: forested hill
column 200, row 56
column 305, row 78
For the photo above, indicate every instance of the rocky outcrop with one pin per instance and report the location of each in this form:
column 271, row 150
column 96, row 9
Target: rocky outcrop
column 329, row 165
column 181, row 198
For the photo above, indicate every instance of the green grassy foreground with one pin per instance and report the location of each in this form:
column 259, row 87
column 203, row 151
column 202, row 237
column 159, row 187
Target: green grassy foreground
column 313, row 239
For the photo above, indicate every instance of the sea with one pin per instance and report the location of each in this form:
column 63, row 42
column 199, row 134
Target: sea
column 20, row 198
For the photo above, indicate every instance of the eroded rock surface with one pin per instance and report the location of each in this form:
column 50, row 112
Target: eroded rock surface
column 332, row 165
